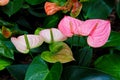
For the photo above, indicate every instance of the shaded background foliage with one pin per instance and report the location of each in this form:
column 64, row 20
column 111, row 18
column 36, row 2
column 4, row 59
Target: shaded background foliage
column 25, row 16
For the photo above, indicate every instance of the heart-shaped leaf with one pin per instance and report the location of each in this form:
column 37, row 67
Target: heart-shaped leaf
column 38, row 70
column 63, row 55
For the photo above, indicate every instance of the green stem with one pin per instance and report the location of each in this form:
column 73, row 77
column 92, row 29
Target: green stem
column 52, row 38
column 27, row 43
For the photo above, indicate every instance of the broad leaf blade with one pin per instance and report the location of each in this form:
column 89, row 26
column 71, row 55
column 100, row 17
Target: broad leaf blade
column 4, row 63
column 80, row 73
column 85, row 56
column 114, row 40
column 13, row 7
column 17, row 71
column 110, row 64
column 55, row 72
column 5, row 51
column 37, row 70
column 97, row 9
column 51, row 21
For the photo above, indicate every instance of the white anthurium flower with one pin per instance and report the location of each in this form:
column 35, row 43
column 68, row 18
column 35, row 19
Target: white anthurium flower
column 52, row 35
column 21, row 44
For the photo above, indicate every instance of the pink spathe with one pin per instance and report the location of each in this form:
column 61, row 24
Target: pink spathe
column 20, row 43
column 52, row 35
column 87, row 27
column 69, row 26
column 99, row 36
column 97, row 30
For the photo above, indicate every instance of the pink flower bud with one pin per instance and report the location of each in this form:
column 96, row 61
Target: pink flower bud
column 52, row 35
column 99, row 36
column 20, row 43
column 4, row 2
column 69, row 26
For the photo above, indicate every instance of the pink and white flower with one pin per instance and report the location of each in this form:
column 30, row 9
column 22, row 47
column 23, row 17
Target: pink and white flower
column 20, row 43
column 52, row 35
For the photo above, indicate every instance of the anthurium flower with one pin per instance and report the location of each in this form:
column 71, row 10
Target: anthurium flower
column 21, row 45
column 52, row 8
column 4, row 2
column 88, row 26
column 69, row 26
column 97, row 30
column 100, row 34
column 52, row 35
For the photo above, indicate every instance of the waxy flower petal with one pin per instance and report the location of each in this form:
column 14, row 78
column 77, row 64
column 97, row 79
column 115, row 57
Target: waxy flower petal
column 88, row 26
column 20, row 43
column 69, row 26
column 4, row 2
column 46, row 35
column 52, row 35
column 100, row 35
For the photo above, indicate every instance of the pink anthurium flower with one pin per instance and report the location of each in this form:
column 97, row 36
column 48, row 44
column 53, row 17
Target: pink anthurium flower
column 20, row 43
column 100, row 34
column 87, row 27
column 52, row 35
column 69, row 26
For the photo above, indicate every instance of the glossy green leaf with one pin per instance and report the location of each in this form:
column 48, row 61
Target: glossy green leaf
column 38, row 70
column 36, row 13
column 114, row 40
column 110, row 64
column 56, row 47
column 55, row 72
column 35, row 2
column 118, row 7
column 97, row 9
column 77, row 41
column 17, row 71
column 51, row 21
column 85, row 56
column 80, row 73
column 63, row 54
column 13, row 7
column 5, row 51
column 4, row 62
